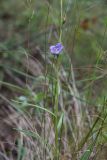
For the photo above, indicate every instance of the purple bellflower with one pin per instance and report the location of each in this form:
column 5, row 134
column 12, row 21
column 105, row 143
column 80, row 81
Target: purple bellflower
column 56, row 49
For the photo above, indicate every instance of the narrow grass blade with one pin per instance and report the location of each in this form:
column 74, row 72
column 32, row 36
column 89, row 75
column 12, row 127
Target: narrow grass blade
column 21, row 151
column 12, row 86
column 36, row 106
column 60, row 122
column 87, row 153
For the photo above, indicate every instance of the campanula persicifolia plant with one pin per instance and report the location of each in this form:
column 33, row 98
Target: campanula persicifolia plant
column 56, row 51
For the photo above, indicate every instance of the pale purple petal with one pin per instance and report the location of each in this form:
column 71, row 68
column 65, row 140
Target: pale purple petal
column 56, row 50
column 52, row 49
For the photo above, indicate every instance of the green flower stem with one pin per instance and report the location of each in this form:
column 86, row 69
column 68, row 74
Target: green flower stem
column 56, row 110
column 57, row 90
column 60, row 36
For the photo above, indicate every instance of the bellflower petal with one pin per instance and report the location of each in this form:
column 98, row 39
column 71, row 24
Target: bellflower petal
column 56, row 49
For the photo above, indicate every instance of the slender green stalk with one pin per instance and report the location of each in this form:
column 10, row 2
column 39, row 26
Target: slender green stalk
column 56, row 113
column 57, row 90
column 60, row 36
column 45, row 91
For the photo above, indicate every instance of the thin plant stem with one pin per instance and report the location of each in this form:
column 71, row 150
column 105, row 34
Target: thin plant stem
column 56, row 113
column 60, row 36
column 45, row 90
column 57, row 89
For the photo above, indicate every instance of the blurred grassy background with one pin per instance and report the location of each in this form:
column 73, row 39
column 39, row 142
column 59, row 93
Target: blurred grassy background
column 27, row 29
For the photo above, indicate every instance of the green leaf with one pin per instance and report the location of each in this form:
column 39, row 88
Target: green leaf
column 60, row 122
column 88, row 152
